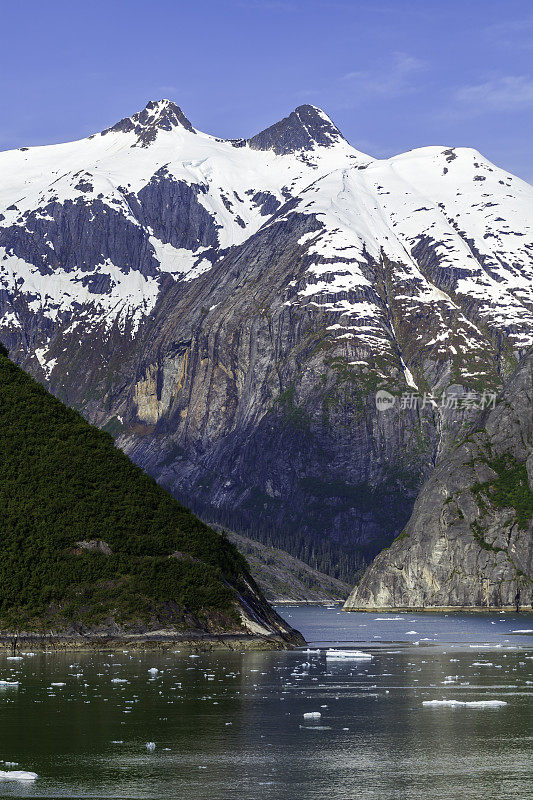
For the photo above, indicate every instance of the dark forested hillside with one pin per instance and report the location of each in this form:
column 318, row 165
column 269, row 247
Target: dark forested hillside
column 87, row 538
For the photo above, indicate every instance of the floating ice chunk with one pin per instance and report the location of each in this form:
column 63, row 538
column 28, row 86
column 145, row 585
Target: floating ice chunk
column 18, row 775
column 312, row 715
column 388, row 619
column 194, row 656
column 14, row 658
column 119, row 680
column 411, row 633
column 153, row 670
column 315, row 727
column 469, row 703
column 348, row 655
column 150, row 746
column 525, row 630
column 58, row 684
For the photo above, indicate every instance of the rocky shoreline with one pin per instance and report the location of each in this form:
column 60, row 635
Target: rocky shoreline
column 159, row 640
column 440, row 609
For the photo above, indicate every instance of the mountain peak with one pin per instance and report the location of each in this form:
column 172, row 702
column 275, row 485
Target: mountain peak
column 157, row 115
column 304, row 129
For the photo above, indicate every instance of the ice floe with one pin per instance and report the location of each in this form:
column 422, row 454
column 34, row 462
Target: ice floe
column 469, row 703
column 18, row 775
column 347, row 655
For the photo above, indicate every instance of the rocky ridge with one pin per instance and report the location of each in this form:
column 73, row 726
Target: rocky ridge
column 469, row 542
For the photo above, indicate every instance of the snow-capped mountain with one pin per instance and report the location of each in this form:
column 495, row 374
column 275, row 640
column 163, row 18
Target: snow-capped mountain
column 164, row 198
column 229, row 309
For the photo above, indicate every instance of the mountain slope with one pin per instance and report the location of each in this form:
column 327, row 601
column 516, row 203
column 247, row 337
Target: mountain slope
column 469, row 542
column 229, row 309
column 283, row 578
column 92, row 546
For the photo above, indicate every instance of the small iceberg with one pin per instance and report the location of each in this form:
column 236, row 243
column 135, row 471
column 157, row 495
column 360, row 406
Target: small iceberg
column 153, row 670
column 18, row 775
column 469, row 703
column 312, row 715
column 315, row 727
column 347, row 655
column 150, row 746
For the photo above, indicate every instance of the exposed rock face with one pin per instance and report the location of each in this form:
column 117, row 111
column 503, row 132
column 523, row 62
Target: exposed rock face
column 95, row 546
column 157, row 116
column 469, row 542
column 228, row 310
column 305, row 129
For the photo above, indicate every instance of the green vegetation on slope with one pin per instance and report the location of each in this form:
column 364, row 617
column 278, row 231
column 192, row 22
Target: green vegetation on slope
column 510, row 489
column 63, row 481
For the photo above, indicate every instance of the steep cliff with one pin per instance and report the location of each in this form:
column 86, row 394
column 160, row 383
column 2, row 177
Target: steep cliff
column 469, row 542
column 229, row 309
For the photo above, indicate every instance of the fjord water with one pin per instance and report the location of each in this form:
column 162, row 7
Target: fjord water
column 231, row 724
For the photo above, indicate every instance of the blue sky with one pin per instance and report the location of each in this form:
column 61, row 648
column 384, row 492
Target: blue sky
column 393, row 75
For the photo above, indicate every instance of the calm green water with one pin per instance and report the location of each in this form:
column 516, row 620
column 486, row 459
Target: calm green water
column 231, row 725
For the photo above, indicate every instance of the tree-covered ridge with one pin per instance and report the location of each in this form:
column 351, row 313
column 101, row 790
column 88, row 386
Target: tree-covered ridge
column 63, row 481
